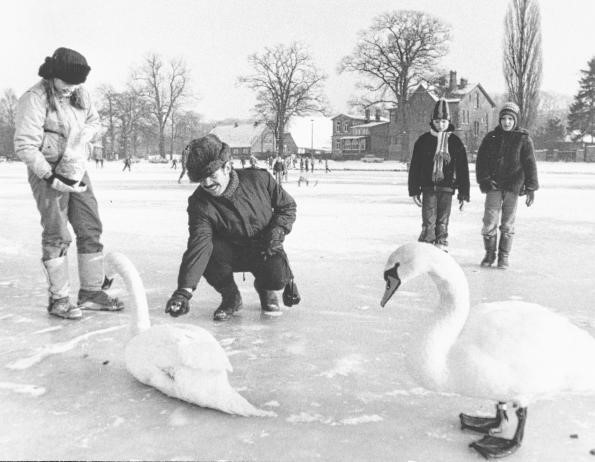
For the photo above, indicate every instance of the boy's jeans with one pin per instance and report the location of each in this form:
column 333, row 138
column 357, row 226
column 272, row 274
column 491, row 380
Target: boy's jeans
column 435, row 213
column 495, row 202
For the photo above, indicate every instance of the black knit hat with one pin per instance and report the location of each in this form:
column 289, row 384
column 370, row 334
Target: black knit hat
column 205, row 156
column 441, row 110
column 67, row 65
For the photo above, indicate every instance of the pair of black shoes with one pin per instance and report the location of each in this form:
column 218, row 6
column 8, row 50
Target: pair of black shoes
column 269, row 303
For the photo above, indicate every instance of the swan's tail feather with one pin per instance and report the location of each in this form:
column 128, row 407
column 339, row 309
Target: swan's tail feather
column 238, row 405
column 117, row 263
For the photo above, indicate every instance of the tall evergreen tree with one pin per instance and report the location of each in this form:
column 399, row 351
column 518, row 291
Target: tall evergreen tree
column 581, row 118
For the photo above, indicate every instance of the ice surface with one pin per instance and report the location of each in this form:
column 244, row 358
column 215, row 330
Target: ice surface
column 332, row 367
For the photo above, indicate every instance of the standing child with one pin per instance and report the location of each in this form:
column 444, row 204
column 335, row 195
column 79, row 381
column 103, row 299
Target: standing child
column 505, row 170
column 438, row 167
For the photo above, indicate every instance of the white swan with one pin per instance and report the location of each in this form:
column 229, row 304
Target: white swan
column 180, row 360
column 509, row 351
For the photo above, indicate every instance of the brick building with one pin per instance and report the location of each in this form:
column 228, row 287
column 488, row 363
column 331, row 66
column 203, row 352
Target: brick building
column 354, row 137
column 473, row 114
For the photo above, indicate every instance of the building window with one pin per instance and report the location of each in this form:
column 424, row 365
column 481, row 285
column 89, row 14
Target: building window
column 476, row 128
column 338, row 145
column 345, row 126
column 477, row 100
column 338, row 126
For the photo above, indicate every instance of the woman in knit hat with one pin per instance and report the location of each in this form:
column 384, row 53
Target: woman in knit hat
column 55, row 120
column 505, row 169
column 438, row 167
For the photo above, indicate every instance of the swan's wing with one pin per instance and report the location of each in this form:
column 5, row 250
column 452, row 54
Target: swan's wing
column 526, row 344
column 198, row 349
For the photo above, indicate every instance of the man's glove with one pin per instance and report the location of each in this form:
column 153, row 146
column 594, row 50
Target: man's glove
column 62, row 184
column 489, row 185
column 273, row 242
column 530, row 197
column 178, row 305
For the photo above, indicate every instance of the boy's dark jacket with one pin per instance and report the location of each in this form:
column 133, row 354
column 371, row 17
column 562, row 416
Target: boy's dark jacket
column 456, row 172
column 252, row 204
column 505, row 161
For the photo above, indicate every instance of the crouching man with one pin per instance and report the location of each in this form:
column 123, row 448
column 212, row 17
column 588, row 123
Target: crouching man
column 237, row 221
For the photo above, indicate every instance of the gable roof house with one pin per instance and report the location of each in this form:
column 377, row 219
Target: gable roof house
column 245, row 139
column 472, row 110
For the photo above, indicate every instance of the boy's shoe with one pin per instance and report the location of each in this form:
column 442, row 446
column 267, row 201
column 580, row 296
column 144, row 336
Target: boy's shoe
column 442, row 247
column 98, row 300
column 62, row 308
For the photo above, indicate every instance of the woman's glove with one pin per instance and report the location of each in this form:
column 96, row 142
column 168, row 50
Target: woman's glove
column 273, row 242
column 178, row 304
column 62, row 184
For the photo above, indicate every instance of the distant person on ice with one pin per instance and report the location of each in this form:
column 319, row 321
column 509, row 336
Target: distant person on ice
column 55, row 119
column 237, row 221
column 505, row 169
column 438, row 168
column 278, row 168
column 127, row 164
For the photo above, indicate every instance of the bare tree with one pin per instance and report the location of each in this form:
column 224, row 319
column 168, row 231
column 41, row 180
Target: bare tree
column 132, row 113
column 164, row 86
column 522, row 57
column 397, row 52
column 8, row 107
column 287, row 84
column 107, row 112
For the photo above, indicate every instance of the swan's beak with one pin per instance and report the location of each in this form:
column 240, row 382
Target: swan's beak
column 392, row 284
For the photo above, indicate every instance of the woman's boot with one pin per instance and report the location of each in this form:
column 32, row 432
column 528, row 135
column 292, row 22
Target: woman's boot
column 59, row 304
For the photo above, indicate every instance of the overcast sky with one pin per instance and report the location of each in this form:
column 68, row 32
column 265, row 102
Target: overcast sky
column 216, row 37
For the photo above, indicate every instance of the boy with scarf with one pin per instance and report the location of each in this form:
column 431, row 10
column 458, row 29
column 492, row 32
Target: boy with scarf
column 438, row 167
column 505, row 170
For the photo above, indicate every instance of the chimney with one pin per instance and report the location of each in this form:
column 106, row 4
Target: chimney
column 367, row 116
column 452, row 84
column 377, row 115
column 442, row 81
column 235, row 125
column 463, row 83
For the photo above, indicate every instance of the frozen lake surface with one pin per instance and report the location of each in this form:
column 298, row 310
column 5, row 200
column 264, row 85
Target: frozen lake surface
column 331, row 368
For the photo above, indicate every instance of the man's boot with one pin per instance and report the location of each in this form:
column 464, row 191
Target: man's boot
column 59, row 304
column 489, row 243
column 269, row 303
column 91, row 295
column 231, row 301
column 504, row 250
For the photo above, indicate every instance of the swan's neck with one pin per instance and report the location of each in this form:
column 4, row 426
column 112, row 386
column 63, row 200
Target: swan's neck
column 139, row 319
column 449, row 318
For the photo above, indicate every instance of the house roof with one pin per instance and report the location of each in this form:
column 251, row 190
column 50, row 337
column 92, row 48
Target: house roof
column 240, row 135
column 460, row 93
column 457, row 94
column 373, row 123
column 351, row 116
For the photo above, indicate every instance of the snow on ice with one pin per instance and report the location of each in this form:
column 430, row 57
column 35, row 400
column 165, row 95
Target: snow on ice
column 332, row 367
